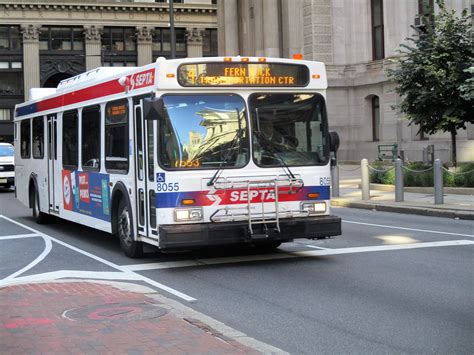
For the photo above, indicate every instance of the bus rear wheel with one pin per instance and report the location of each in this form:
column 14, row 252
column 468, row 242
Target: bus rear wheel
column 39, row 216
column 125, row 232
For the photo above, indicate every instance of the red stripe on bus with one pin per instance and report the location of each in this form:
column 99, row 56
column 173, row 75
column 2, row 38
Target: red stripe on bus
column 94, row 92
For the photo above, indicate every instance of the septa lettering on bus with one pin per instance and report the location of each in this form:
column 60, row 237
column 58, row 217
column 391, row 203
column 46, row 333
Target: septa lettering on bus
column 142, row 79
column 239, row 196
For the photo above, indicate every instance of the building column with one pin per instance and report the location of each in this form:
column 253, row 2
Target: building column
column 93, row 47
column 271, row 28
column 144, row 45
column 31, row 60
column 258, row 20
column 194, row 42
column 228, row 27
column 292, row 27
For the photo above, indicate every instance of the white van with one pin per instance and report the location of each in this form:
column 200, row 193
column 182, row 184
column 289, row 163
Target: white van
column 7, row 165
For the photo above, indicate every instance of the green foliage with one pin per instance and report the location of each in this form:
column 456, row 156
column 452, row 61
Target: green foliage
column 433, row 76
column 423, row 179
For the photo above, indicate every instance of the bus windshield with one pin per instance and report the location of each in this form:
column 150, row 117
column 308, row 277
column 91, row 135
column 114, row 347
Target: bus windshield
column 203, row 132
column 289, row 129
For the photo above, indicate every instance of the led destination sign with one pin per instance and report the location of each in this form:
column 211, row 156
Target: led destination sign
column 243, row 74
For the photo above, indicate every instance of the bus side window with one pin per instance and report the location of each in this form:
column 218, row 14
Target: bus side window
column 151, row 151
column 90, row 147
column 116, row 136
column 70, row 139
column 38, row 137
column 25, row 136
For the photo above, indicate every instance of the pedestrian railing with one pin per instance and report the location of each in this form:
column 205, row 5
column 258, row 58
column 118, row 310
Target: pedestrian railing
column 364, row 167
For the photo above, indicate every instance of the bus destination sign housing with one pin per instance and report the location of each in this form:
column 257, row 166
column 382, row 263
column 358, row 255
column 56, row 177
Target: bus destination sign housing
column 243, row 74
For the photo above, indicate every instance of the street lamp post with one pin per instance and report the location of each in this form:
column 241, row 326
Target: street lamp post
column 172, row 34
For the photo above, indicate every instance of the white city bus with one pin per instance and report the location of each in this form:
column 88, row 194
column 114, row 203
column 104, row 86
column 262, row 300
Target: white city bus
column 182, row 153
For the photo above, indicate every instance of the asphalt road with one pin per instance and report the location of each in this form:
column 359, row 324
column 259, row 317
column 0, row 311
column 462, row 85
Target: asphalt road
column 391, row 283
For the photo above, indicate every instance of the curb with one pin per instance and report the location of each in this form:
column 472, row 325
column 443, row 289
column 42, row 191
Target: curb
column 181, row 311
column 422, row 211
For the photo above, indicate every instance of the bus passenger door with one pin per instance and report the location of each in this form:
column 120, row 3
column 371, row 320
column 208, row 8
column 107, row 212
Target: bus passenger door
column 144, row 153
column 53, row 174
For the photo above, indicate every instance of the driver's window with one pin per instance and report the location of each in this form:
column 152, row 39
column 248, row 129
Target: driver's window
column 91, row 138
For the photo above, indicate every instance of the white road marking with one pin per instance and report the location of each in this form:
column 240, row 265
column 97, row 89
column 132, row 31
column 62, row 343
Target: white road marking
column 18, row 236
column 63, row 274
column 247, row 258
column 409, row 229
column 132, row 275
column 315, row 247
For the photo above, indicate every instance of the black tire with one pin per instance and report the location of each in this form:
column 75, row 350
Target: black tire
column 39, row 216
column 125, row 231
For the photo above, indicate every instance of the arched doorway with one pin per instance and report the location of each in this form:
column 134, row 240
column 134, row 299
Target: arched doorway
column 54, row 80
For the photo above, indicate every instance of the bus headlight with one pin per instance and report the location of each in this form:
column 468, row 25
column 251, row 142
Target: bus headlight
column 187, row 214
column 313, row 207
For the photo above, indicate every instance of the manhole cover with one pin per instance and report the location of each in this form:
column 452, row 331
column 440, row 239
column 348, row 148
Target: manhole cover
column 115, row 312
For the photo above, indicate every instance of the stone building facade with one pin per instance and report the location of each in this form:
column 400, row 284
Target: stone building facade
column 355, row 39
column 44, row 42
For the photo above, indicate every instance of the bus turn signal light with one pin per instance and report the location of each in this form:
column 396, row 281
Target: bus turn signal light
column 316, row 76
column 245, row 60
column 170, row 75
column 298, row 56
column 261, row 60
column 187, row 202
column 227, row 59
column 313, row 195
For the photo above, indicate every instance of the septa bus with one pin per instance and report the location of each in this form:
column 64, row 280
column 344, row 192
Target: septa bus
column 182, row 153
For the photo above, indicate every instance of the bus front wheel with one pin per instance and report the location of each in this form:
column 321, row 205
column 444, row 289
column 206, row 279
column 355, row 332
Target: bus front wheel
column 125, row 231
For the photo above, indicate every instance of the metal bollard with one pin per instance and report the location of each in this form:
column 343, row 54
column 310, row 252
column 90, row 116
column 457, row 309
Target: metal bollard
column 365, row 182
column 335, row 180
column 398, row 181
column 438, row 182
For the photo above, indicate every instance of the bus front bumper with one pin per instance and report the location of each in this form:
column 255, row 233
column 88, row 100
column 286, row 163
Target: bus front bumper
column 178, row 236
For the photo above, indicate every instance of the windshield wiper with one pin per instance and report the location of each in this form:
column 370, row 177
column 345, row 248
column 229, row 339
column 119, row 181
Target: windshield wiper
column 235, row 140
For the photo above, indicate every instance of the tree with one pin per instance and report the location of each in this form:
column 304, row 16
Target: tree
column 432, row 74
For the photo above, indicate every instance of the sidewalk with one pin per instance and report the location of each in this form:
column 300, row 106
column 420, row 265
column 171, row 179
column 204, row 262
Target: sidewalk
column 77, row 317
column 417, row 201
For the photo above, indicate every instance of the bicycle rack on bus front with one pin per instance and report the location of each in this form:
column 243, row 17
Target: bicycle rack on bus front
column 276, row 186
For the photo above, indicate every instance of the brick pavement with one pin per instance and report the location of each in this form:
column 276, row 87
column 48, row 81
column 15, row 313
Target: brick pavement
column 95, row 318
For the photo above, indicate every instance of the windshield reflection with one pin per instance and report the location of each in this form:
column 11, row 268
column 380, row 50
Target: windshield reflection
column 203, row 131
column 289, row 128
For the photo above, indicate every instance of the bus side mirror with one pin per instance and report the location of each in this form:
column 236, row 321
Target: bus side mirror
column 153, row 108
column 334, row 142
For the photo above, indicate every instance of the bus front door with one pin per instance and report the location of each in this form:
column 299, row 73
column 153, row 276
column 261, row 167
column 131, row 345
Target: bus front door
column 53, row 166
column 145, row 175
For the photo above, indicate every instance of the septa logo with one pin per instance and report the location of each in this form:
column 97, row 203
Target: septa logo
column 142, row 79
column 67, row 190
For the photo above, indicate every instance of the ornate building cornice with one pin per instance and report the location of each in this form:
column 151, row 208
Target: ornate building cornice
column 112, row 7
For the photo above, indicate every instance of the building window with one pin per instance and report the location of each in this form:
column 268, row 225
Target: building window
column 11, row 83
column 375, row 119
column 70, row 139
column 10, row 38
column 5, row 114
column 162, row 42
column 425, row 7
column 119, row 47
column 116, row 136
column 377, row 30
column 209, row 43
column 91, row 138
column 61, row 39
column 38, row 137
column 422, row 135
column 25, row 139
